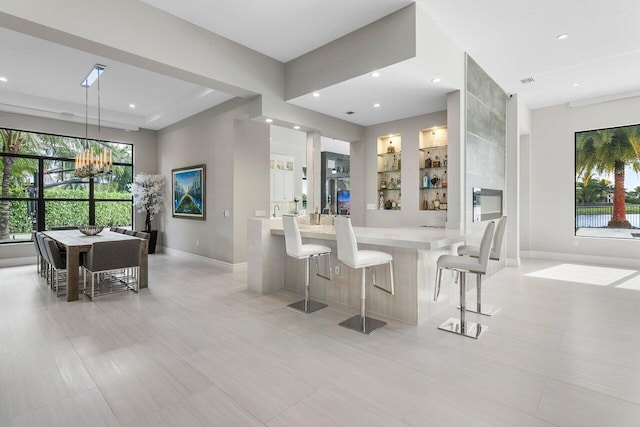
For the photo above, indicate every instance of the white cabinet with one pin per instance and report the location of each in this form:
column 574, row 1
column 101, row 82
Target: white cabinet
column 281, row 175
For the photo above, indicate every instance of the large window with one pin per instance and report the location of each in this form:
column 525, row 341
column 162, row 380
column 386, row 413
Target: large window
column 40, row 190
column 608, row 182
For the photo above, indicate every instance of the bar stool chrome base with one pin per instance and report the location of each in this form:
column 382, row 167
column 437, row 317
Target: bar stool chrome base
column 367, row 327
column 307, row 308
column 470, row 329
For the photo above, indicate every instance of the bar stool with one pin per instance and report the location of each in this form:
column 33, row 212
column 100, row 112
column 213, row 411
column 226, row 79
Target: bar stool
column 349, row 254
column 465, row 265
column 494, row 255
column 295, row 249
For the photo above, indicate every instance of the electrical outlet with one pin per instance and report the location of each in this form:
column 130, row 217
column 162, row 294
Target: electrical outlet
column 336, row 270
column 226, row 213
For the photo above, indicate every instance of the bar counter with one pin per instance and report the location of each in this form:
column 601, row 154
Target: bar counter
column 415, row 251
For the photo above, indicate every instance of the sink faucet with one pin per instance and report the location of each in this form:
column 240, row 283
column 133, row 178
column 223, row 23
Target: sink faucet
column 274, row 210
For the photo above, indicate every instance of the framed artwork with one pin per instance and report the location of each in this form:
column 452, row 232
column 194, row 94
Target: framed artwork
column 188, row 192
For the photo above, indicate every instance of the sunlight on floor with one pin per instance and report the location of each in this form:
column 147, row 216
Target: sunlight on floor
column 633, row 283
column 591, row 275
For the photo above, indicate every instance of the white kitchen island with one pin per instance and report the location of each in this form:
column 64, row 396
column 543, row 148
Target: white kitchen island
column 415, row 251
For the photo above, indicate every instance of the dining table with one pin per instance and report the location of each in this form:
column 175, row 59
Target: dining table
column 75, row 243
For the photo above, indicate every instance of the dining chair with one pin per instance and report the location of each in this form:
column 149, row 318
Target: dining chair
column 109, row 257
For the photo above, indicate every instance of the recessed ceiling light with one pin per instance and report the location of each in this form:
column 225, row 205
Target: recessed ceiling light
column 296, row 127
column 316, row 94
column 575, row 85
column 435, row 80
column 269, row 121
column 376, row 105
column 132, row 105
column 3, row 79
column 375, row 74
column 562, row 36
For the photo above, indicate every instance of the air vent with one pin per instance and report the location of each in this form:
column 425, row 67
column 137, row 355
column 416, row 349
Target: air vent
column 350, row 112
column 527, row 80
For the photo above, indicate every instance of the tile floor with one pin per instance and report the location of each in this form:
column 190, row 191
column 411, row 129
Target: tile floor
column 198, row 349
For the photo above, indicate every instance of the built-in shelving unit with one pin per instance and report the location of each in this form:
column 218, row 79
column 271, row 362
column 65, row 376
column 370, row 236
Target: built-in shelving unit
column 389, row 172
column 433, row 168
column 281, row 175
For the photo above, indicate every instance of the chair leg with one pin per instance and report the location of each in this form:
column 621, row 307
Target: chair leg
column 391, row 289
column 307, row 305
column 461, row 326
column 330, row 276
column 361, row 323
column 436, row 291
column 484, row 309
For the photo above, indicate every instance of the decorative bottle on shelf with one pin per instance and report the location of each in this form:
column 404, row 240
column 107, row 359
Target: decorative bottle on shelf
column 436, row 201
column 427, row 161
column 383, row 182
column 426, row 180
column 399, row 181
column 444, row 179
column 435, row 181
column 425, row 202
column 392, row 184
column 381, row 201
column 436, row 162
column 445, row 161
column 399, row 199
column 394, row 164
column 399, row 162
column 443, row 202
column 391, row 148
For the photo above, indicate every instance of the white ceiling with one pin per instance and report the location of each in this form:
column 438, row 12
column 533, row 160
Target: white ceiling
column 516, row 39
column 510, row 39
column 281, row 29
column 43, row 79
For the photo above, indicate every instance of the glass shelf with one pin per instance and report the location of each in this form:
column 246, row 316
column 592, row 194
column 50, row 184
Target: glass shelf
column 389, row 171
column 389, row 189
column 437, row 167
column 433, row 188
column 388, row 154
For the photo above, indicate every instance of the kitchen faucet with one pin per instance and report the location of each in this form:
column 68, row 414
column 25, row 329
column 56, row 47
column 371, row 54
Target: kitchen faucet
column 274, row 210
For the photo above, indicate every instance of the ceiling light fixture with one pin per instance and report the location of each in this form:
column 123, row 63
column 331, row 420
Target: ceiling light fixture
column 132, row 105
column 575, row 85
column 296, row 127
column 435, row 80
column 376, row 105
column 3, row 79
column 316, row 94
column 88, row 163
column 269, row 120
column 375, row 74
column 562, row 36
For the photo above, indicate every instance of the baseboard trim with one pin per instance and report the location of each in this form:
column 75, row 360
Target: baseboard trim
column 226, row 266
column 15, row 262
column 594, row 259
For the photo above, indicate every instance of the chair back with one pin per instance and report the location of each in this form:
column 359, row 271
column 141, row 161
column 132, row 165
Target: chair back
column 34, row 237
column 496, row 249
column 292, row 239
column 40, row 240
column 143, row 235
column 485, row 247
column 54, row 256
column 130, row 232
column 114, row 255
column 346, row 239
column 120, row 230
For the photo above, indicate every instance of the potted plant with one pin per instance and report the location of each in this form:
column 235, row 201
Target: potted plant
column 148, row 196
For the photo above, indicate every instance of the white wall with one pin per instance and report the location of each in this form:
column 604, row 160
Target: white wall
column 552, row 182
column 236, row 154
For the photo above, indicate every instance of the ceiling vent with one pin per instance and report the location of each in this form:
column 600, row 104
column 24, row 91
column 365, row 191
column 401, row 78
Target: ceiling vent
column 350, row 112
column 527, row 80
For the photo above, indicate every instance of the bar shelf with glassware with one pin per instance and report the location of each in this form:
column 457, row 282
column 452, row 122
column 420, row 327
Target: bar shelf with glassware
column 433, row 163
column 389, row 185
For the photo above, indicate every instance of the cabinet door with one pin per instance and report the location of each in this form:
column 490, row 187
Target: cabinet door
column 287, row 186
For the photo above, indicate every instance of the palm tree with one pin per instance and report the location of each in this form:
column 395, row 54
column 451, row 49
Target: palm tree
column 609, row 151
column 13, row 142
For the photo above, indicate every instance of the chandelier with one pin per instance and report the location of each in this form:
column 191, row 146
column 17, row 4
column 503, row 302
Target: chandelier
column 90, row 163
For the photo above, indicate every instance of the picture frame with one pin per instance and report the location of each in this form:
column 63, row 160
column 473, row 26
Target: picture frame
column 188, row 192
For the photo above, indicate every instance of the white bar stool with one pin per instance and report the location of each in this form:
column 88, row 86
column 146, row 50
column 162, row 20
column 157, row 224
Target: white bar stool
column 465, row 265
column 349, row 254
column 494, row 255
column 295, row 249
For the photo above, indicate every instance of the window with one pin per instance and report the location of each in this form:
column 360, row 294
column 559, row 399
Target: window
column 40, row 189
column 607, row 189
